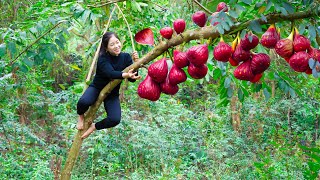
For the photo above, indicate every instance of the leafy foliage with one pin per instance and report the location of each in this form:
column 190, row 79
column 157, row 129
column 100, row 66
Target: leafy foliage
column 46, row 50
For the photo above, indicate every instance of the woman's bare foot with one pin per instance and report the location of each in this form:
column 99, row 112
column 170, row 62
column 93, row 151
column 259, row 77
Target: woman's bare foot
column 80, row 122
column 89, row 131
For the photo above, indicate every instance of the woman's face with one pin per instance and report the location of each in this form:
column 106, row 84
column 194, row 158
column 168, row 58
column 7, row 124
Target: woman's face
column 114, row 46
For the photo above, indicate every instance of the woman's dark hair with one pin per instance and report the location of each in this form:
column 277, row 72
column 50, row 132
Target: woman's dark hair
column 105, row 40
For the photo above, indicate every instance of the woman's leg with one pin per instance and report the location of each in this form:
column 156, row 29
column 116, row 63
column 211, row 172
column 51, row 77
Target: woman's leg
column 88, row 98
column 113, row 109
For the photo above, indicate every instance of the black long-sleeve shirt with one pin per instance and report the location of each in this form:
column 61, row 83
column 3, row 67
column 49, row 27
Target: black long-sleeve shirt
column 110, row 67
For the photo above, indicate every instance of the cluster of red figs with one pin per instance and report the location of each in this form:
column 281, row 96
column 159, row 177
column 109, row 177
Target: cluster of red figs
column 250, row 66
column 164, row 79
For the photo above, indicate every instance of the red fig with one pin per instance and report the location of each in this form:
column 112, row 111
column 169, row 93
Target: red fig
column 176, row 75
column 308, row 71
column 243, row 71
column 158, row 70
column 250, row 41
column 222, row 52
column 259, row 63
column 314, row 53
column 179, row 25
column 149, row 89
column 144, row 36
column 166, row 32
column 270, row 38
column 197, row 72
column 199, row 18
column 222, row 6
column 180, row 59
column 284, row 47
column 300, row 43
column 240, row 54
column 256, row 78
column 299, row 61
column 169, row 88
column 198, row 55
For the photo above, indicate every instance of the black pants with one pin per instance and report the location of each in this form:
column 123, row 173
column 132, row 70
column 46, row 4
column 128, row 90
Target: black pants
column 111, row 105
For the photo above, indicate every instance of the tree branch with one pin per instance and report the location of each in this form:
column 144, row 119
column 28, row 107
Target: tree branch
column 38, row 39
column 204, row 8
column 205, row 32
column 104, row 4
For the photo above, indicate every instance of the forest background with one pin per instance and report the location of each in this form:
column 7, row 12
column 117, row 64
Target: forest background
column 217, row 127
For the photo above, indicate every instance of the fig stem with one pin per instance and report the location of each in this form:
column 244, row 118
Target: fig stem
column 170, row 55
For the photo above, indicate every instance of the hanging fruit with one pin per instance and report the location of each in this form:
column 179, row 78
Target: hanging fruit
column 197, row 72
column 168, row 88
column 166, row 32
column 270, row 38
column 179, row 25
column 180, row 59
column 243, row 71
column 149, row 89
column 284, row 47
column 300, row 42
column 259, row 63
column 223, row 51
column 200, row 18
column 145, row 36
column 158, row 70
column 299, row 61
column 176, row 75
column 250, row 41
column 198, row 55
column 222, row 6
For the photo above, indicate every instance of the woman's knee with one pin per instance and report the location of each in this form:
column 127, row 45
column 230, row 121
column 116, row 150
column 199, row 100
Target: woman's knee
column 115, row 120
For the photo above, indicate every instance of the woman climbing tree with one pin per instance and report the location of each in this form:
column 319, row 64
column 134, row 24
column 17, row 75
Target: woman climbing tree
column 110, row 64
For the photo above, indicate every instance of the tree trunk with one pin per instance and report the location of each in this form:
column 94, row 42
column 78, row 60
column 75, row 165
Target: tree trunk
column 204, row 32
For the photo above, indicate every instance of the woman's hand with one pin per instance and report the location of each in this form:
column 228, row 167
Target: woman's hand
column 131, row 74
column 135, row 56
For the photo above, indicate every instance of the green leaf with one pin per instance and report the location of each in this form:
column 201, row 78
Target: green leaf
column 266, row 94
column 220, row 28
column 38, row 60
column 315, row 73
column 85, row 15
column 290, row 9
column 2, row 49
column 216, row 74
column 283, row 11
column 12, row 48
column 59, row 43
column 312, row 32
column 248, row 2
column 27, row 62
column 312, row 63
column 255, row 26
column 227, row 82
column 301, row 28
column 240, row 95
column 23, row 68
column 269, row 5
column 264, row 18
column 233, row 14
column 292, row 93
column 230, row 92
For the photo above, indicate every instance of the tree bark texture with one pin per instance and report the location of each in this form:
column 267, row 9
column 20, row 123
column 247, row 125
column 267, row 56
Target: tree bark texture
column 199, row 33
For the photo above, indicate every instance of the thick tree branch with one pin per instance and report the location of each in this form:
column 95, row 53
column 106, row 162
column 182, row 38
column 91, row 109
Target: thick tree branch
column 205, row 33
